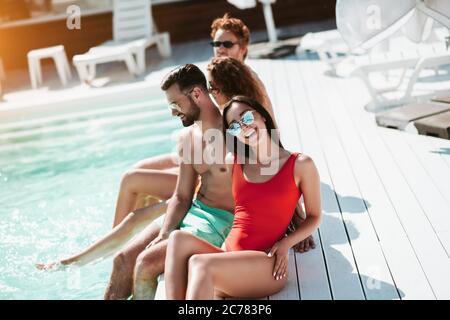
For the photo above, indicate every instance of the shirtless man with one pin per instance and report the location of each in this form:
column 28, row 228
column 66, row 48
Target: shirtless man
column 210, row 214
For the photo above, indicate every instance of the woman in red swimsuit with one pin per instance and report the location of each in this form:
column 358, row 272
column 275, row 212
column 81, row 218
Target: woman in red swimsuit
column 253, row 260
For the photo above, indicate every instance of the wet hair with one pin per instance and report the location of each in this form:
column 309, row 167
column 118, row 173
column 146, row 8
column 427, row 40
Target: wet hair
column 232, row 78
column 238, row 146
column 186, row 76
column 234, row 25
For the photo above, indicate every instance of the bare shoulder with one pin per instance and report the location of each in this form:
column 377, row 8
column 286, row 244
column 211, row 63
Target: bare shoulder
column 304, row 167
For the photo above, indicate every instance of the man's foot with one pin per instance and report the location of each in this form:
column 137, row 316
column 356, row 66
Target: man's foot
column 305, row 245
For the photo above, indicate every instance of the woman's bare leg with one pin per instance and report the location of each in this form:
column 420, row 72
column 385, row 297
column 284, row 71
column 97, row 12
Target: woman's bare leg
column 156, row 183
column 181, row 246
column 239, row 274
column 195, row 269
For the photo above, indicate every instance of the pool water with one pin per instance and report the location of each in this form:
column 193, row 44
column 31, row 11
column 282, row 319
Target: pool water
column 59, row 179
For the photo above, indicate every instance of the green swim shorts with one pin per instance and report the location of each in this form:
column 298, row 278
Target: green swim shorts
column 210, row 224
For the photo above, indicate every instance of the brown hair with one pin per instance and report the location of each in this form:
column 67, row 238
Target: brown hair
column 232, row 78
column 186, row 76
column 234, row 25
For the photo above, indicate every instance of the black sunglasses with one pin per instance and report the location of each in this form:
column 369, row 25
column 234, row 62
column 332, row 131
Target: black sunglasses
column 226, row 44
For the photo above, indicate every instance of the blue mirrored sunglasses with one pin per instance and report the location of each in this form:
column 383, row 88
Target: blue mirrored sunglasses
column 235, row 128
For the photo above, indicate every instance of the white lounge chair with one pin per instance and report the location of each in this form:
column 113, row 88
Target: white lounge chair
column 401, row 74
column 332, row 49
column 133, row 31
column 329, row 46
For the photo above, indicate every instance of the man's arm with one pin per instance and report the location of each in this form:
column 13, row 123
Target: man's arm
column 181, row 200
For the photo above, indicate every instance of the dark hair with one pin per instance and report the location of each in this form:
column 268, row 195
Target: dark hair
column 255, row 105
column 232, row 78
column 234, row 25
column 186, row 76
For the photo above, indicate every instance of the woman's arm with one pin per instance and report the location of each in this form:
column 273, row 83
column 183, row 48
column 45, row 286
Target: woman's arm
column 307, row 178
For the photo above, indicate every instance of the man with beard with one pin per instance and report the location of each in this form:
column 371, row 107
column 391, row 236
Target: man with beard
column 208, row 215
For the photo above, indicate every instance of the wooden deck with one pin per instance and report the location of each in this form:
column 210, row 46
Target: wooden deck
column 385, row 193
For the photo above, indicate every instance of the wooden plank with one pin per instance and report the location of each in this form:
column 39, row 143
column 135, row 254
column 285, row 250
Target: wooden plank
column 441, row 147
column 312, row 273
column 427, row 247
column 437, row 125
column 372, row 266
column 433, row 204
column 340, row 264
column 432, row 162
column 313, row 281
column 400, row 117
column 311, row 267
column 396, row 247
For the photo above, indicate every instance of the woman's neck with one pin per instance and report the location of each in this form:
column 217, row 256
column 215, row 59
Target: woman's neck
column 267, row 151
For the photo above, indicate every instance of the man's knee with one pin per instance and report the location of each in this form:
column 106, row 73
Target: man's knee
column 148, row 264
column 123, row 260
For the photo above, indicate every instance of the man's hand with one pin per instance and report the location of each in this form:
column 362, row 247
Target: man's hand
column 305, row 245
column 280, row 249
column 158, row 239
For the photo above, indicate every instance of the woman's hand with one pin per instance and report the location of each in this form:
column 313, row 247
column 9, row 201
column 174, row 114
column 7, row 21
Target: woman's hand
column 161, row 236
column 280, row 249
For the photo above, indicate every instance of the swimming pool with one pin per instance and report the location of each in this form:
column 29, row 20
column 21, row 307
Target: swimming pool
column 60, row 169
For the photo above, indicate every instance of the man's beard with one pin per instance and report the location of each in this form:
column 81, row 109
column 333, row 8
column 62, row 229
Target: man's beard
column 193, row 115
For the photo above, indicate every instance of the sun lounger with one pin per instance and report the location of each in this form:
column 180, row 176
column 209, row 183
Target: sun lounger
column 436, row 126
column 442, row 99
column 399, row 118
column 133, row 31
column 329, row 46
column 402, row 75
